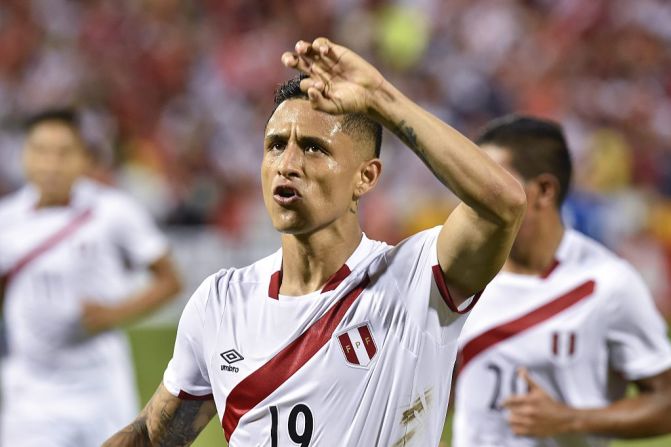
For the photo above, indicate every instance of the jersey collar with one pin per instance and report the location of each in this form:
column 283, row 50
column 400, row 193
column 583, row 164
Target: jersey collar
column 81, row 196
column 363, row 249
column 562, row 253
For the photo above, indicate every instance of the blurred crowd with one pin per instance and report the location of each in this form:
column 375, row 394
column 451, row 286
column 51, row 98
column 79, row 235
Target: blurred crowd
column 175, row 95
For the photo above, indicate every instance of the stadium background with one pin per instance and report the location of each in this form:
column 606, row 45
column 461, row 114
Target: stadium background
column 175, row 95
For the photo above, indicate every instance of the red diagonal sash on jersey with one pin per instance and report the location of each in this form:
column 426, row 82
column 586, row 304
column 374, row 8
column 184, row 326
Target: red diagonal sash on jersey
column 504, row 331
column 265, row 380
column 48, row 243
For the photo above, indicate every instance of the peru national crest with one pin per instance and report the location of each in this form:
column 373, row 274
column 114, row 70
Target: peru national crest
column 358, row 345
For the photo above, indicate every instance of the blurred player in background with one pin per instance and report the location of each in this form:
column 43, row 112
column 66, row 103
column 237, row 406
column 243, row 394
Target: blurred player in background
column 66, row 243
column 337, row 339
column 547, row 354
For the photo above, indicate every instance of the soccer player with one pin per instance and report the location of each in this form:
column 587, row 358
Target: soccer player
column 65, row 246
column 547, row 354
column 337, row 339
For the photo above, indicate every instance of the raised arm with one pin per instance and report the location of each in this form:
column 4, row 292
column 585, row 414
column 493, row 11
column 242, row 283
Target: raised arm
column 165, row 421
column 477, row 236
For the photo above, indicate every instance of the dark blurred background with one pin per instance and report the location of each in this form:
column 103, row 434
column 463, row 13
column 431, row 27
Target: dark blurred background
column 175, row 95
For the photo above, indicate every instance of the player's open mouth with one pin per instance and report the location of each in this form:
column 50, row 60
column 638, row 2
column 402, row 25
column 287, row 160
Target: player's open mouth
column 285, row 195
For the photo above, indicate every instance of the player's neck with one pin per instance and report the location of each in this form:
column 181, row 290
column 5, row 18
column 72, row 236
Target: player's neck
column 537, row 255
column 51, row 201
column 308, row 261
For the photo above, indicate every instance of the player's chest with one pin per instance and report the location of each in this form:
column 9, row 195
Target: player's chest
column 541, row 326
column 561, row 342
column 53, row 241
column 339, row 341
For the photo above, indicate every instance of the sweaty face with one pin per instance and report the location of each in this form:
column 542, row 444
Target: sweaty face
column 53, row 160
column 309, row 169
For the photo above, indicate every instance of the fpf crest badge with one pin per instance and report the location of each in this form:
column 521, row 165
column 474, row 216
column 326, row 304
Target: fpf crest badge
column 358, row 345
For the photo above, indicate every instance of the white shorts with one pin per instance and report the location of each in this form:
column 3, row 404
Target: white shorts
column 82, row 410
column 76, row 423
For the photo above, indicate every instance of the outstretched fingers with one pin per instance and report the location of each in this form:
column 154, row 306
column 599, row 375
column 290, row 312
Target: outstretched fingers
column 338, row 81
column 320, row 48
column 293, row 60
column 327, row 50
column 321, row 52
column 306, row 65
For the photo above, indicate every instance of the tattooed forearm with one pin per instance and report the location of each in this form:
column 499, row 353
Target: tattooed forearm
column 179, row 425
column 134, row 435
column 407, row 134
column 166, row 421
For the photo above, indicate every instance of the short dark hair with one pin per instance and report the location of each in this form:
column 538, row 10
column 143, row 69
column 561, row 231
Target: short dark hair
column 356, row 124
column 537, row 146
column 67, row 116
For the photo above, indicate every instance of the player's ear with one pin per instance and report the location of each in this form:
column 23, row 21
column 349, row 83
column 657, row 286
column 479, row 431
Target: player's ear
column 548, row 190
column 367, row 176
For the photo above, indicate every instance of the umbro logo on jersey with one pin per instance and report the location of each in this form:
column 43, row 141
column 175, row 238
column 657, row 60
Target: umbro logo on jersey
column 231, row 356
column 358, row 345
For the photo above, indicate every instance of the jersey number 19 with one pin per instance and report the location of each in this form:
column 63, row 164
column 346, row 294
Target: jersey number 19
column 304, row 438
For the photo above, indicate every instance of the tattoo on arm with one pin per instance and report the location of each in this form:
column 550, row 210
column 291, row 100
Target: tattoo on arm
column 408, row 135
column 134, row 435
column 165, row 421
column 180, row 426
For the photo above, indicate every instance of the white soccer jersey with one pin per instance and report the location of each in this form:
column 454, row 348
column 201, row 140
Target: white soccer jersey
column 366, row 361
column 54, row 259
column 582, row 330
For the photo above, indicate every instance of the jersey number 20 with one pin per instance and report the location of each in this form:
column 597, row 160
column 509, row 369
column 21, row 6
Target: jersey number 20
column 304, row 438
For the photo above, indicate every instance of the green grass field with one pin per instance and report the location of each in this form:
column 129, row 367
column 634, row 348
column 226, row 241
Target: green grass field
column 152, row 348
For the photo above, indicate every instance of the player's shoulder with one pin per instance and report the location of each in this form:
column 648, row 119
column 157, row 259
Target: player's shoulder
column 417, row 241
column 213, row 295
column 248, row 276
column 110, row 204
column 208, row 288
column 17, row 201
column 93, row 193
column 591, row 255
column 586, row 252
column 258, row 272
column 411, row 248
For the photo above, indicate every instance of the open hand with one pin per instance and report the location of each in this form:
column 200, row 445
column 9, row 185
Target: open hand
column 339, row 80
column 537, row 413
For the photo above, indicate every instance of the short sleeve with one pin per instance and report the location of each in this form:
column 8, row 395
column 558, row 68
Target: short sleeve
column 637, row 334
column 413, row 265
column 186, row 375
column 137, row 234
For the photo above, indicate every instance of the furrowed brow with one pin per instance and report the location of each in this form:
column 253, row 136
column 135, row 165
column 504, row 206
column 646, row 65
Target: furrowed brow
column 273, row 137
column 310, row 140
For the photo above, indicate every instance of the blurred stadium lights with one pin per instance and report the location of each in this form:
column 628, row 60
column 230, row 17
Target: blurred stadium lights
column 176, row 94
